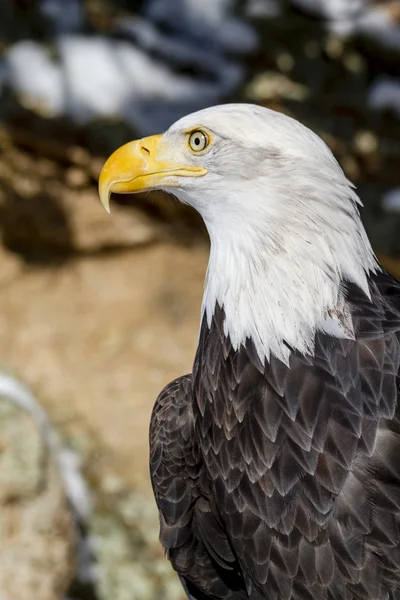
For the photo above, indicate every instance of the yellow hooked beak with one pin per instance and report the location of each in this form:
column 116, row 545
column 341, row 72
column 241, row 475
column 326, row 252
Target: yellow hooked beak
column 142, row 165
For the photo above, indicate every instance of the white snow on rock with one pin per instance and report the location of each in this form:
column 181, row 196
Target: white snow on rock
column 110, row 78
column 100, row 77
column 97, row 81
column 35, row 77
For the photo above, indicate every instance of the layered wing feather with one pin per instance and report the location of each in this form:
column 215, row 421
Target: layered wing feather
column 190, row 529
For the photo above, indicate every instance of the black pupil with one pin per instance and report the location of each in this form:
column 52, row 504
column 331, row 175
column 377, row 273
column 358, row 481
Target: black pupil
column 197, row 140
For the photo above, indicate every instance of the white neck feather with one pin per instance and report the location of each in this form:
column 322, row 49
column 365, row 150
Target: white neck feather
column 284, row 226
column 279, row 280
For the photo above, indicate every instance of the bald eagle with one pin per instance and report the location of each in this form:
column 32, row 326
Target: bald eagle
column 275, row 464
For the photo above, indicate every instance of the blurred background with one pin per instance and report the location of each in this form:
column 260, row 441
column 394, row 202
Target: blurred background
column 98, row 312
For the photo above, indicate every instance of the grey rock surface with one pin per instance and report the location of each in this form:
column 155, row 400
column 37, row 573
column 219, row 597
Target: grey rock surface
column 36, row 524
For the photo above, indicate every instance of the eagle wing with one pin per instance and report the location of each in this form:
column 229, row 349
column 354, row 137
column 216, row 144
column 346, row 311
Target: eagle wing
column 190, row 531
column 305, row 460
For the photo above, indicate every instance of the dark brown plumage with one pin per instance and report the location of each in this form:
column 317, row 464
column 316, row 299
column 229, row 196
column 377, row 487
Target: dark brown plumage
column 284, row 482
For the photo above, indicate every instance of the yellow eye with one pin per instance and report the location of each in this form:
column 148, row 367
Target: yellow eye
column 198, row 140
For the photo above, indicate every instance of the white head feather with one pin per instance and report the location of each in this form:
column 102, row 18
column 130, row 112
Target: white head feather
column 284, row 226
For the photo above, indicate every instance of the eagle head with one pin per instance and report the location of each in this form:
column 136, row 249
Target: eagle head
column 283, row 220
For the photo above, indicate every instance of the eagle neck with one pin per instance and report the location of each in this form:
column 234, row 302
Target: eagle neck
column 279, row 290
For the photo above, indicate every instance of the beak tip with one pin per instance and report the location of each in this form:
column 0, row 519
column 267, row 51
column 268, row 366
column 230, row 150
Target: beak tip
column 105, row 200
column 105, row 193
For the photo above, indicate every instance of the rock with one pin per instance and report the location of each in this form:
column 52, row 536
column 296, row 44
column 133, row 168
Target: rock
column 130, row 562
column 146, row 74
column 36, row 524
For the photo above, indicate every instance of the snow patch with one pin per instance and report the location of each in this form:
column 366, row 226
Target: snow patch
column 35, row 77
column 146, row 78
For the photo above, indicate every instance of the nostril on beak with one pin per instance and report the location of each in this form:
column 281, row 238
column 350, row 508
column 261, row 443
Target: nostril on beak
column 144, row 149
